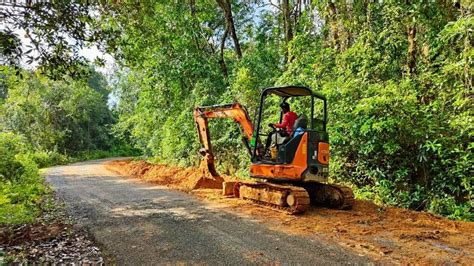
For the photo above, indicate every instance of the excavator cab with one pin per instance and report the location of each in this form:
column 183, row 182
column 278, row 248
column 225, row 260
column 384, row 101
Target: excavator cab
column 301, row 157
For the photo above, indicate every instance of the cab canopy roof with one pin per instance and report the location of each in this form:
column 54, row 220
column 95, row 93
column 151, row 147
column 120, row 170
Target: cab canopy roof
column 292, row 91
column 288, row 91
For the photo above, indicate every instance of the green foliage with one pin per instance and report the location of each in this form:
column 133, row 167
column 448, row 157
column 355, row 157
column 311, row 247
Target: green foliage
column 448, row 206
column 63, row 116
column 22, row 189
column 10, row 47
column 398, row 76
column 119, row 150
column 404, row 139
column 49, row 158
column 45, row 122
column 400, row 111
column 10, row 146
column 52, row 36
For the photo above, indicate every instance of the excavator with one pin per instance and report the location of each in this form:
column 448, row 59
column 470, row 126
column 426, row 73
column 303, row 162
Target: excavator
column 289, row 172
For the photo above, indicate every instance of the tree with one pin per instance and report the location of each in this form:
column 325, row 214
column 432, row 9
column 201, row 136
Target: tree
column 397, row 74
column 230, row 27
column 67, row 116
column 288, row 28
column 54, row 34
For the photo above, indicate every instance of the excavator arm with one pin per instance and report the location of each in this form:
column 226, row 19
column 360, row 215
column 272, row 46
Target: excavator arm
column 201, row 116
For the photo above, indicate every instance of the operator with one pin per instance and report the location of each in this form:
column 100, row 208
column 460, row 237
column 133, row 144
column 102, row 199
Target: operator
column 289, row 119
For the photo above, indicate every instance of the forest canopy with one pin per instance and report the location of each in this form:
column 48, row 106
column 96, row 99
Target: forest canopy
column 398, row 76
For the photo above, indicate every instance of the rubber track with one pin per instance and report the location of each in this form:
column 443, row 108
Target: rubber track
column 347, row 194
column 301, row 196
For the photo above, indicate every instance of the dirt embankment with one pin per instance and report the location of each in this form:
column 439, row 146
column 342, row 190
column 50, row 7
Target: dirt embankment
column 387, row 234
column 185, row 179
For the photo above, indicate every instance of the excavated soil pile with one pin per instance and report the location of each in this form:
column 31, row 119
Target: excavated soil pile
column 185, row 179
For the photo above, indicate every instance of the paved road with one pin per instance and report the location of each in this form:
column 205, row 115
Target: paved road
column 138, row 223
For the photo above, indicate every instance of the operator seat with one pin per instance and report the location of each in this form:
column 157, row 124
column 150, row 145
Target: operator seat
column 301, row 121
column 287, row 151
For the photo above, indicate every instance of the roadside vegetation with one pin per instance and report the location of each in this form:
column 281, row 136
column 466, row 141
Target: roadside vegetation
column 22, row 189
column 45, row 122
column 398, row 76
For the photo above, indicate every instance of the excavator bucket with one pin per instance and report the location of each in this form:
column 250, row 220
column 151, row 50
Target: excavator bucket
column 207, row 180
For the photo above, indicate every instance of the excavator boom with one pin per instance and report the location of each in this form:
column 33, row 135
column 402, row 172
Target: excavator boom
column 201, row 116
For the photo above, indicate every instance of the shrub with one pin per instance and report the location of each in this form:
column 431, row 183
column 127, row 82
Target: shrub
column 21, row 187
column 49, row 158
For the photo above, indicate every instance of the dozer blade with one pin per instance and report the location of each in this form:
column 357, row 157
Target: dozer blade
column 288, row 199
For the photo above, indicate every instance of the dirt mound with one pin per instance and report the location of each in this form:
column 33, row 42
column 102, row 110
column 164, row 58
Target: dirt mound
column 185, row 179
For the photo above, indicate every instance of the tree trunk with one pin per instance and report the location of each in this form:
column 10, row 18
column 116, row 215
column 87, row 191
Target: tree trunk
column 348, row 10
column 221, row 60
column 411, row 55
column 230, row 27
column 468, row 79
column 192, row 8
column 368, row 15
column 298, row 10
column 333, row 22
column 285, row 6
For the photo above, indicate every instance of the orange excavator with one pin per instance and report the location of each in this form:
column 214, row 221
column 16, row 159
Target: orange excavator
column 290, row 172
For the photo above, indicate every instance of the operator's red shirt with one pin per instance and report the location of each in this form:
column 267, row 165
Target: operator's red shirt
column 289, row 119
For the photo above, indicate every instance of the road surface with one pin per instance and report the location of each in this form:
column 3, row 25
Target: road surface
column 138, row 223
